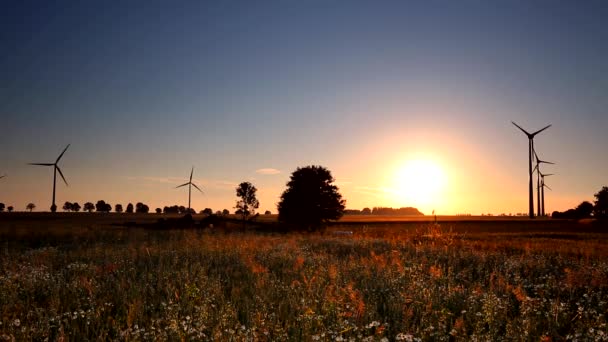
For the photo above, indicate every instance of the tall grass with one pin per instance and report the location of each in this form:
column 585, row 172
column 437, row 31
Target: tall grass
column 421, row 284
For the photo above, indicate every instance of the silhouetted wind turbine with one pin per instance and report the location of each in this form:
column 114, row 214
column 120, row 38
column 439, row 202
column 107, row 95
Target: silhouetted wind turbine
column 190, row 185
column 55, row 169
column 543, row 186
column 538, row 183
column 530, row 150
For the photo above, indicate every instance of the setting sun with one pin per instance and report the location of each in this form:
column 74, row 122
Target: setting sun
column 419, row 182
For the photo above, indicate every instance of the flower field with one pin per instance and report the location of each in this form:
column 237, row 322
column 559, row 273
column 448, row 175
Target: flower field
column 423, row 284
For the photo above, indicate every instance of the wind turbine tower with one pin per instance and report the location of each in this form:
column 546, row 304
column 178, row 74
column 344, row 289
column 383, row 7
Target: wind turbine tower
column 55, row 169
column 190, row 185
column 530, row 171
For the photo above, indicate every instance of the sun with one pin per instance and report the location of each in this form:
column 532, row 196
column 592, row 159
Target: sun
column 419, row 182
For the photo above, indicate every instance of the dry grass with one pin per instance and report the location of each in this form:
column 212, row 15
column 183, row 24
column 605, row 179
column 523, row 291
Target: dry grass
column 73, row 280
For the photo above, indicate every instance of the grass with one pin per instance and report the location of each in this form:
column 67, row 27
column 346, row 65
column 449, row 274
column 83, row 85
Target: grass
column 73, row 279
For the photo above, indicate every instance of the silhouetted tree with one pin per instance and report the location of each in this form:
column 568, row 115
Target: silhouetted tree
column 225, row 212
column 129, row 208
column 76, row 207
column 141, row 208
column 405, row 211
column 118, row 208
column 366, row 211
column 248, row 202
column 1, row 207
column 89, row 207
column 267, row 212
column 171, row 210
column 207, row 211
column 67, row 206
column 159, row 210
column 600, row 210
column 218, row 213
column 584, row 210
column 311, row 198
column 30, row 206
column 103, row 207
column 10, row 208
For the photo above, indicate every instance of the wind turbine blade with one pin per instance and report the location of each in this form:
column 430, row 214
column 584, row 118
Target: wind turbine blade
column 197, row 188
column 546, row 186
column 61, row 155
column 546, row 162
column 540, row 130
column 61, row 174
column 179, row 186
column 548, row 174
column 191, row 172
column 41, row 164
column 523, row 130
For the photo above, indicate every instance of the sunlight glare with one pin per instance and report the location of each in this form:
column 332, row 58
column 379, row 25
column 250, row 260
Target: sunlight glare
column 419, row 182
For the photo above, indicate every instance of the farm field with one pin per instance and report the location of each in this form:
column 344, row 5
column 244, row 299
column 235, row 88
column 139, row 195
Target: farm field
column 80, row 277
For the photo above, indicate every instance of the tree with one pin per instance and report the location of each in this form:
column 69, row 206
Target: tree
column 225, row 212
column 207, row 211
column 30, row 206
column 141, row 208
column 584, row 210
column 118, row 208
column 600, row 210
column 159, row 211
column 89, row 207
column 129, row 208
column 311, row 198
column 366, row 211
column 103, row 207
column 67, row 206
column 1, row 207
column 267, row 212
column 248, row 202
column 76, row 207
column 10, row 208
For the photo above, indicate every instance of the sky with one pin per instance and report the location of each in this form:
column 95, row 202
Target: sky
column 407, row 103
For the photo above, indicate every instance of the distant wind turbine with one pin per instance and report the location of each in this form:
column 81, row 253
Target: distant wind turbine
column 530, row 150
column 55, row 169
column 543, row 186
column 539, row 187
column 190, row 185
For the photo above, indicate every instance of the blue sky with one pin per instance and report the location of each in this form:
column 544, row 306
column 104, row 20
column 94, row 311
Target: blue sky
column 145, row 90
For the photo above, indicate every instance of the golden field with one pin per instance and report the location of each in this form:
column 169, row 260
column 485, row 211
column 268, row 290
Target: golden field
column 79, row 277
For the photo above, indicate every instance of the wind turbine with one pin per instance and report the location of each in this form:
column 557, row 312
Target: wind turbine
column 538, row 183
column 543, row 186
column 190, row 185
column 55, row 169
column 530, row 150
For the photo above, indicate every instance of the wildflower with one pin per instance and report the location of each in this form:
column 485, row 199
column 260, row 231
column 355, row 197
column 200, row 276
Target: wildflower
column 373, row 324
column 404, row 337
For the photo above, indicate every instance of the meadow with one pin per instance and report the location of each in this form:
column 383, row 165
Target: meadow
column 76, row 277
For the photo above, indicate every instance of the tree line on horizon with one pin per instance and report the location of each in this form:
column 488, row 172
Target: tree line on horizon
column 586, row 209
column 387, row 211
column 310, row 200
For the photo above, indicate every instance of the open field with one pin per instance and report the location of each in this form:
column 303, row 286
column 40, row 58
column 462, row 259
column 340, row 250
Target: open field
column 78, row 277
